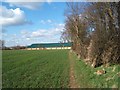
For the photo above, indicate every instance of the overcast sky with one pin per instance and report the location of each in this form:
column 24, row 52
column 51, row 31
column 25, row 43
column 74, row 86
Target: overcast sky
column 25, row 23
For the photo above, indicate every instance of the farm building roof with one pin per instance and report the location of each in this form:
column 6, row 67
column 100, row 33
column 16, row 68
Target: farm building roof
column 46, row 45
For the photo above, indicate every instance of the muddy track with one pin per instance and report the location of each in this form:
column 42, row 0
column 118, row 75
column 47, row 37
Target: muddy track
column 72, row 82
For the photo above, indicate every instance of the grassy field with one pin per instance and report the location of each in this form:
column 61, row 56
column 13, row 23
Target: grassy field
column 86, row 77
column 34, row 69
column 51, row 69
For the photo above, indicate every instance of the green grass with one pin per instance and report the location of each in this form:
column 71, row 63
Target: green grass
column 35, row 69
column 50, row 69
column 86, row 78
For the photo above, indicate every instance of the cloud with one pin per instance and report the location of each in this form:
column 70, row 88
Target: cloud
column 49, row 21
column 46, row 21
column 45, row 35
column 28, row 37
column 39, row 33
column 49, row 1
column 53, row 32
column 29, row 4
column 42, row 21
column 12, row 17
column 61, row 25
column 44, row 32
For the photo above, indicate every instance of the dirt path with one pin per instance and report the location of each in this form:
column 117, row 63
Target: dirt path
column 72, row 82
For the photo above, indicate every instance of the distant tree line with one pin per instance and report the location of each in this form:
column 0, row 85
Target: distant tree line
column 93, row 28
column 18, row 47
column 3, row 47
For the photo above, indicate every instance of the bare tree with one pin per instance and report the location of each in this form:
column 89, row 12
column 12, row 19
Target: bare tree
column 2, row 42
column 94, row 31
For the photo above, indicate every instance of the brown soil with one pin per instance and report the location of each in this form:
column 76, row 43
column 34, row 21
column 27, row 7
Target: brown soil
column 72, row 82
